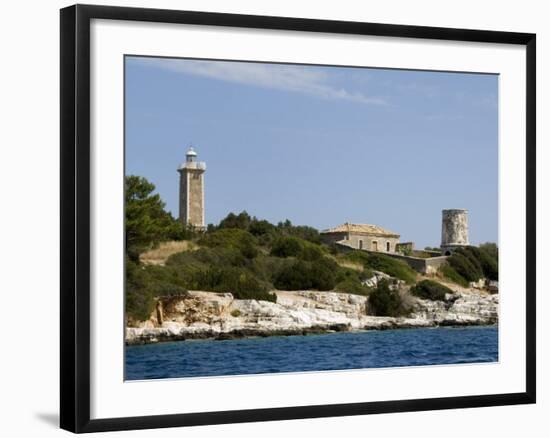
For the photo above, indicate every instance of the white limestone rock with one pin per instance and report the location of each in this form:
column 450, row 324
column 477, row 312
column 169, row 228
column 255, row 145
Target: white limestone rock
column 210, row 315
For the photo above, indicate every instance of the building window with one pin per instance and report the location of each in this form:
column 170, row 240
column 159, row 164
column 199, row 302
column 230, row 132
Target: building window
column 374, row 245
column 387, row 246
column 360, row 244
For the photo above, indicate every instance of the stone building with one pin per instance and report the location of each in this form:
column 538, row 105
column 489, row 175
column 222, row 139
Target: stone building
column 192, row 190
column 454, row 230
column 362, row 236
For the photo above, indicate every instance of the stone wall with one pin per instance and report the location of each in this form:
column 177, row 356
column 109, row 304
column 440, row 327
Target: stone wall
column 369, row 242
column 422, row 265
column 373, row 243
column 419, row 264
column 404, row 247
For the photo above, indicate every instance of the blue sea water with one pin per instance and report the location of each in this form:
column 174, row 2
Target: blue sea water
column 336, row 351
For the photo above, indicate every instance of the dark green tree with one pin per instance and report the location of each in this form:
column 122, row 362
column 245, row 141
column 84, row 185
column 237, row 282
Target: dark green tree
column 260, row 227
column 430, row 290
column 236, row 238
column 384, row 301
column 294, row 276
column 487, row 262
column 323, row 274
column 286, row 247
column 146, row 221
column 462, row 262
column 232, row 220
column 491, row 249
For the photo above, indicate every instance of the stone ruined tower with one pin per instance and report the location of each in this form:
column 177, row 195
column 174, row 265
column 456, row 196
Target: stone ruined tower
column 454, row 230
column 192, row 190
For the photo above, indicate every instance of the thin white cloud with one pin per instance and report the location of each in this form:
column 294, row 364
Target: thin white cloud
column 293, row 78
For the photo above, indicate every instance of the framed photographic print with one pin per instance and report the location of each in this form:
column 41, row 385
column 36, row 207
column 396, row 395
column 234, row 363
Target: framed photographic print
column 289, row 218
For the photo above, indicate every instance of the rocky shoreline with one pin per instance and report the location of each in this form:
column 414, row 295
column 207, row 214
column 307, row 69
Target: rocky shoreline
column 210, row 315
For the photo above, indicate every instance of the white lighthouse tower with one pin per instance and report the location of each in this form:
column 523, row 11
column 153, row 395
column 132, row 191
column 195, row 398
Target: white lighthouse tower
column 192, row 190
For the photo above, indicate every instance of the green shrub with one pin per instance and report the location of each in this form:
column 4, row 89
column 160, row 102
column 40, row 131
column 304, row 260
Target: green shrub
column 462, row 264
column 204, row 257
column 139, row 298
column 294, row 276
column 323, row 273
column 488, row 263
column 265, row 267
column 304, row 275
column 473, row 263
column 392, row 267
column 352, row 285
column 265, row 229
column 235, row 313
column 471, row 253
column 361, row 257
column 383, row 263
column 383, row 301
column 285, row 246
column 261, row 227
column 365, row 274
column 240, row 282
column 311, row 251
column 491, row 249
column 236, row 238
column 267, row 239
column 144, row 284
column 301, row 231
column 344, row 273
column 222, row 269
column 450, row 273
column 289, row 246
column 430, row 290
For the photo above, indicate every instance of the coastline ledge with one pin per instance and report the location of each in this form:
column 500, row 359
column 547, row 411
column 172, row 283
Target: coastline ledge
column 211, row 315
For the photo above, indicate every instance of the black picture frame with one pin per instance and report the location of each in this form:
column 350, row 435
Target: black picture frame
column 75, row 217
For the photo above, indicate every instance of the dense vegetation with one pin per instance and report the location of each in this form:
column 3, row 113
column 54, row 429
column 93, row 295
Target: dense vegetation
column 146, row 221
column 430, row 290
column 387, row 301
column 450, row 274
column 384, row 263
column 144, row 283
column 472, row 263
column 243, row 255
column 251, row 257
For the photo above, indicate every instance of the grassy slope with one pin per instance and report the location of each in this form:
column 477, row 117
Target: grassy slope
column 160, row 254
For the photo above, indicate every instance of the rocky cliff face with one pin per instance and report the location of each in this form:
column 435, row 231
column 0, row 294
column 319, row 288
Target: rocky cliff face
column 218, row 315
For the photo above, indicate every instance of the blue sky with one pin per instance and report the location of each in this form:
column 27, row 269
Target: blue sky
column 320, row 145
